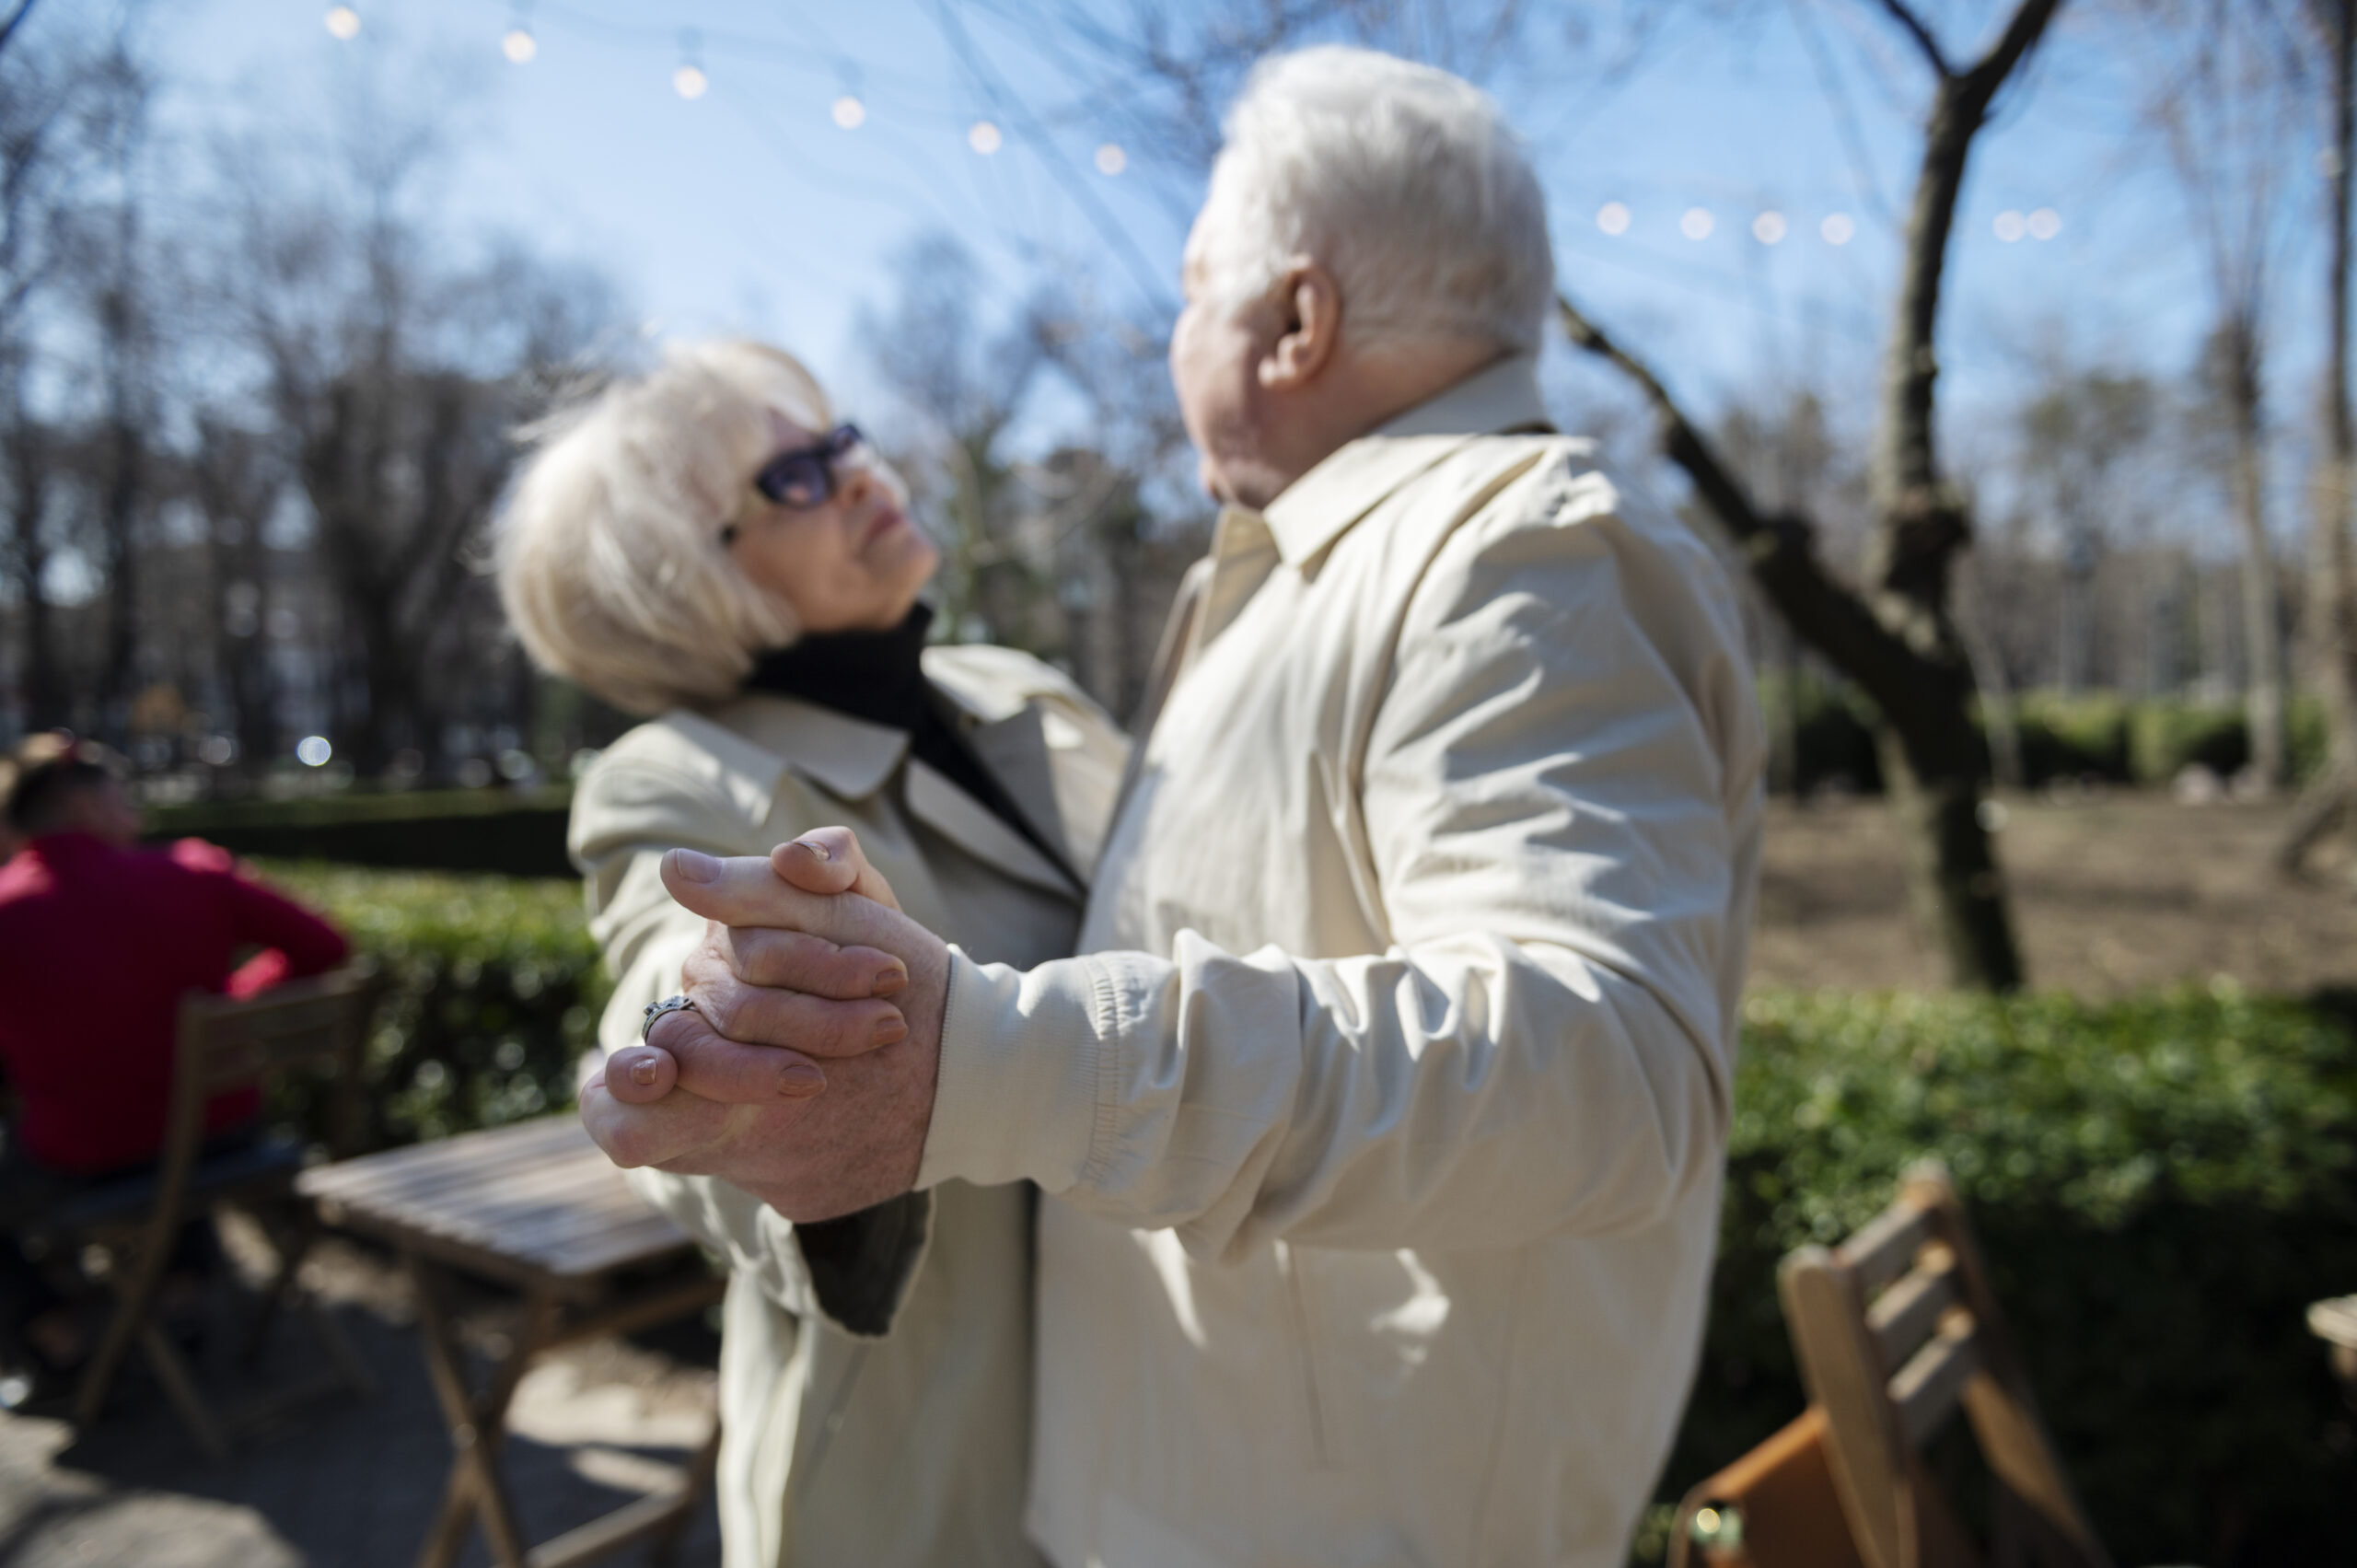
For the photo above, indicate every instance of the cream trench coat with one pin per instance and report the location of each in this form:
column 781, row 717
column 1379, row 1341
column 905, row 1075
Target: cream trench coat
column 1383, row 1128
column 840, row 1446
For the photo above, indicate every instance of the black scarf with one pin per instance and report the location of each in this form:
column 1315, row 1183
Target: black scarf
column 878, row 677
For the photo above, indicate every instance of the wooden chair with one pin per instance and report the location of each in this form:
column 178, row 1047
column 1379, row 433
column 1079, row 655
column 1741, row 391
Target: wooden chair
column 224, row 1045
column 1894, row 1328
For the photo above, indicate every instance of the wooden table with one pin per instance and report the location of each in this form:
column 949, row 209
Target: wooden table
column 537, row 1208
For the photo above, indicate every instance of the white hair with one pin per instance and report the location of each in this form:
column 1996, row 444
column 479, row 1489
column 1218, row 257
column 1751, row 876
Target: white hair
column 1403, row 181
column 609, row 548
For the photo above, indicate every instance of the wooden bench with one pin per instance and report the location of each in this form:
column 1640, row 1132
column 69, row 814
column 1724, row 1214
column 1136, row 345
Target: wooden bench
column 537, row 1209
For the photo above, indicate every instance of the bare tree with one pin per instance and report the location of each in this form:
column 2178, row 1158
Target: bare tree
column 392, row 383
column 1897, row 640
column 237, row 480
column 2077, row 435
column 2222, row 74
column 2332, row 579
column 962, row 391
column 64, row 103
column 1787, row 454
column 119, row 296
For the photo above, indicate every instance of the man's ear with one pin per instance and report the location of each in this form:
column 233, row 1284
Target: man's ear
column 1311, row 327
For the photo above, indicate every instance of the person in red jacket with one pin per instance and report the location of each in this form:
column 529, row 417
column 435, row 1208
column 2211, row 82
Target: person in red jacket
column 100, row 940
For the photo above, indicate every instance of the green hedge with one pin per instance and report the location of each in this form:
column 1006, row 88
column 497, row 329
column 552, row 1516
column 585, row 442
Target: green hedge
column 2161, row 1187
column 511, row 833
column 496, row 988
column 2095, row 735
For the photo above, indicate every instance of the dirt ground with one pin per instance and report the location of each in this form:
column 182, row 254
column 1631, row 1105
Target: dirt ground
column 2112, row 892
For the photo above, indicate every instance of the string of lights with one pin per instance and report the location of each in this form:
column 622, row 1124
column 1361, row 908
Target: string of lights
column 986, row 136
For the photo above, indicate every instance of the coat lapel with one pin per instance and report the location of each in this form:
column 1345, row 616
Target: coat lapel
column 941, row 804
column 852, row 760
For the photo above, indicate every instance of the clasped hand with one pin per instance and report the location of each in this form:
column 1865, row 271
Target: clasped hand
column 805, row 1073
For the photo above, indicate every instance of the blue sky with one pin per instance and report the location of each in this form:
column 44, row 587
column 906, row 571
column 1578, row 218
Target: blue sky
column 749, row 209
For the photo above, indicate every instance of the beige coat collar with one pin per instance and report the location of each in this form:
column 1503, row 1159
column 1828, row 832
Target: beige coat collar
column 852, row 759
column 1322, row 505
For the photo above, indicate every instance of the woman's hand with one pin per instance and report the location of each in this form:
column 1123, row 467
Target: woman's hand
column 825, row 861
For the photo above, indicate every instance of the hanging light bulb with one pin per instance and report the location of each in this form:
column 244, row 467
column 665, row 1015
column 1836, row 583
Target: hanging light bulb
column 689, row 81
column 849, row 112
column 519, row 46
column 344, row 22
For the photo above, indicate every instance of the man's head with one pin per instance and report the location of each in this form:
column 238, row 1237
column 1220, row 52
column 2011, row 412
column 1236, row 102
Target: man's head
column 76, row 789
column 1373, row 234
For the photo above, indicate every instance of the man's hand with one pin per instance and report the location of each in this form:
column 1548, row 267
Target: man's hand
column 745, row 1109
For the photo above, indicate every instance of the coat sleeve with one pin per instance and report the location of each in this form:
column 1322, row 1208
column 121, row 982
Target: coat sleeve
column 854, row 1271
column 1557, row 782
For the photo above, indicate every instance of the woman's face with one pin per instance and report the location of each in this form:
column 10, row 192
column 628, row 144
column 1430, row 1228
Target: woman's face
column 853, row 562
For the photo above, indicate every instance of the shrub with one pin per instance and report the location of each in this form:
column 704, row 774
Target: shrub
column 515, row 833
column 495, row 991
column 2161, row 1187
column 2307, row 738
column 2165, row 738
column 1832, row 731
column 2083, row 735
column 2094, row 735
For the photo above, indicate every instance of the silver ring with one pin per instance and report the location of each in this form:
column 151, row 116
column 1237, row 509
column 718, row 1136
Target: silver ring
column 657, row 1009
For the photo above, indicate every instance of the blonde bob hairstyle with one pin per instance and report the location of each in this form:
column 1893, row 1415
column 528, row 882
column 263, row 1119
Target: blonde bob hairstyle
column 608, row 549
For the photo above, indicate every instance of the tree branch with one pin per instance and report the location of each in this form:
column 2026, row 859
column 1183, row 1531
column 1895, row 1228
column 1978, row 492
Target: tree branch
column 2021, row 35
column 16, row 19
column 1920, row 34
column 1780, row 550
column 1905, row 464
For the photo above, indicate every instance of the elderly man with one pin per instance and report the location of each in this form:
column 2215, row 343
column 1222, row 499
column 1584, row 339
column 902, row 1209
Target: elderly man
column 1381, row 1120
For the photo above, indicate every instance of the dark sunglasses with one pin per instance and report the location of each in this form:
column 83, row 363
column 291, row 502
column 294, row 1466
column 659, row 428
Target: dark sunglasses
column 805, row 477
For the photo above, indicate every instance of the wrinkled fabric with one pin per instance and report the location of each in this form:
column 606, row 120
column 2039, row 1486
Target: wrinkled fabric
column 875, row 1370
column 1382, row 1118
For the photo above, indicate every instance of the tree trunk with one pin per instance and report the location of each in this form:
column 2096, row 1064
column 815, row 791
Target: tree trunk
column 122, row 340
column 237, row 491
column 1929, row 760
column 2262, row 634
column 119, row 678
column 2000, row 719
column 44, row 684
column 2332, row 582
column 1784, row 734
column 1898, row 642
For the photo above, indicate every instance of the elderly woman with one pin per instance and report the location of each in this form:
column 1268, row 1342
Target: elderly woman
column 707, row 545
